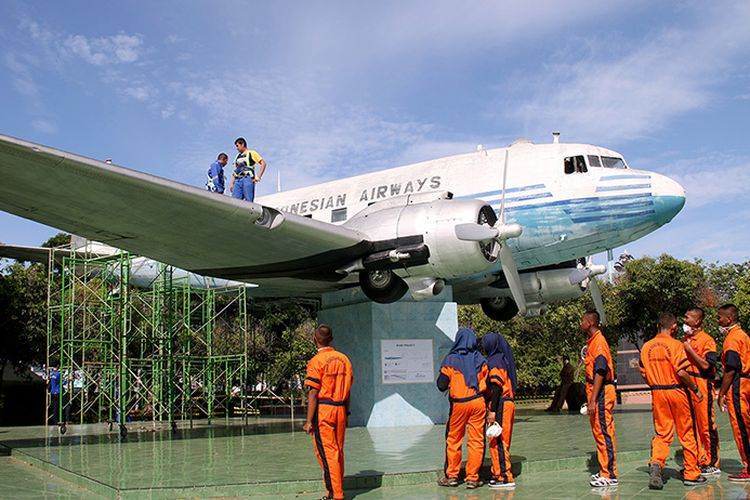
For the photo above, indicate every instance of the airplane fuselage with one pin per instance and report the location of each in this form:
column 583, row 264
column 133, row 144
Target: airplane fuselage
column 564, row 215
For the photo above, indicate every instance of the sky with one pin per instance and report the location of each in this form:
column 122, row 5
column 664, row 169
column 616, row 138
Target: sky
column 325, row 90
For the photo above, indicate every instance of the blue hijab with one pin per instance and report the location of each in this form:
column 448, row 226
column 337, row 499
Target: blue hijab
column 500, row 355
column 465, row 358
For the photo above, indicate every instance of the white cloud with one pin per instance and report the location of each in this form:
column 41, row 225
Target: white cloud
column 44, row 126
column 300, row 132
column 711, row 178
column 116, row 49
column 140, row 93
column 620, row 91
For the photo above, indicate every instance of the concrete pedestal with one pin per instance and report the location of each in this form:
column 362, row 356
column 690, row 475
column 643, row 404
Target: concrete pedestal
column 405, row 396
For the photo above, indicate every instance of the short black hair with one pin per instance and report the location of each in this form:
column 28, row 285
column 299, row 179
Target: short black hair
column 566, row 357
column 222, row 156
column 324, row 334
column 666, row 320
column 593, row 315
column 241, row 140
column 730, row 310
column 699, row 310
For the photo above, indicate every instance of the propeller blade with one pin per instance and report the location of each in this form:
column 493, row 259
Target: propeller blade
column 596, row 295
column 475, row 232
column 505, row 178
column 577, row 276
column 511, row 275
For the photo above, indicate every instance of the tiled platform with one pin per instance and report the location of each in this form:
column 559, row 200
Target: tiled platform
column 276, row 458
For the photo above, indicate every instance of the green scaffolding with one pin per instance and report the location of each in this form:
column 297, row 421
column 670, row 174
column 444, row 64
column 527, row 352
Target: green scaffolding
column 166, row 352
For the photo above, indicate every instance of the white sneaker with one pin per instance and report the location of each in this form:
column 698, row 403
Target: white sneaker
column 602, row 482
column 709, row 470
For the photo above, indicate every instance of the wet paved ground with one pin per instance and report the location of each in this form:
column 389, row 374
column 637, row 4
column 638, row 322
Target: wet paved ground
column 551, row 452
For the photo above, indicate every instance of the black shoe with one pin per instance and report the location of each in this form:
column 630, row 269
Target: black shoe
column 655, row 481
column 694, row 482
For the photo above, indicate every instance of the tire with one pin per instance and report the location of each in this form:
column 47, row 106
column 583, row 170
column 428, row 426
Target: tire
column 499, row 308
column 383, row 286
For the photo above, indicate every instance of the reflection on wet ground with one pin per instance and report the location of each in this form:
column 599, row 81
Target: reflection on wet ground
column 273, row 451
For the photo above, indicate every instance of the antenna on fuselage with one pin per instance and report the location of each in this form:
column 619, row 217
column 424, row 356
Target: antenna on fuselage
column 555, row 137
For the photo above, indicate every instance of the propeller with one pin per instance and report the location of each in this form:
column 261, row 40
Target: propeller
column 499, row 233
column 585, row 276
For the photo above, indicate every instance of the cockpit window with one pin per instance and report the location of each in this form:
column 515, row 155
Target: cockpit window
column 575, row 164
column 611, row 162
column 594, row 161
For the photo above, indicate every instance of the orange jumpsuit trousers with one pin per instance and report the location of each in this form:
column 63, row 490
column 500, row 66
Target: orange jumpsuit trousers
column 673, row 408
column 705, row 423
column 603, row 429
column 738, row 404
column 463, row 414
column 329, row 428
column 500, row 446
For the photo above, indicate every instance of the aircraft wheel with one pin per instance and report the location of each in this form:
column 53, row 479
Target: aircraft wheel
column 382, row 286
column 499, row 308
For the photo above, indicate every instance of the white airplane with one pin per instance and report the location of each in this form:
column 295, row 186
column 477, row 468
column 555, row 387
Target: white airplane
column 506, row 227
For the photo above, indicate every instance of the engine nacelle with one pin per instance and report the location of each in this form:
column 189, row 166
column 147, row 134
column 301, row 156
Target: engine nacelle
column 417, row 238
column 549, row 286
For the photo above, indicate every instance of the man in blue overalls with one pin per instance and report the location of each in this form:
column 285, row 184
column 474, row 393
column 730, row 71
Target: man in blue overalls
column 215, row 182
column 243, row 177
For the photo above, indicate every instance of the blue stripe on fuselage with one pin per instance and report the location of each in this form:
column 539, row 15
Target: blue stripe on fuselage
column 521, row 198
column 629, row 176
column 580, row 201
column 500, row 191
column 622, row 188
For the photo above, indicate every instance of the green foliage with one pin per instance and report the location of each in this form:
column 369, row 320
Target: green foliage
column 58, row 240
column 742, row 300
column 23, row 316
column 724, row 279
column 650, row 286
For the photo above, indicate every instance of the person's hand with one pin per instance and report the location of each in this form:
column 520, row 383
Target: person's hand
column 699, row 395
column 256, row 179
column 491, row 418
column 591, row 405
column 722, row 402
column 308, row 428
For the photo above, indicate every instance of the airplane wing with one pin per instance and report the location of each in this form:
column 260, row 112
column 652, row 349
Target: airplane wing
column 168, row 221
column 30, row 254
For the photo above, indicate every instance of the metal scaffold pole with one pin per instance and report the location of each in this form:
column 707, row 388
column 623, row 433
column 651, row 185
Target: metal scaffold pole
column 159, row 353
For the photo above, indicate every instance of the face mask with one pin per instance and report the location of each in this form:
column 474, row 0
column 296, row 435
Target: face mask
column 687, row 329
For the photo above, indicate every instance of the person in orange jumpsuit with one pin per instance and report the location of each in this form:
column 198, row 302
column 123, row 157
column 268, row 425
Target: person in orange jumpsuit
column 600, row 390
column 502, row 385
column 700, row 348
column 664, row 366
column 329, row 379
column 463, row 373
column 735, row 386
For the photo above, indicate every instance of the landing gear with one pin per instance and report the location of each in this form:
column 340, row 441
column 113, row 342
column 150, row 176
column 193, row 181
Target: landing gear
column 382, row 286
column 499, row 308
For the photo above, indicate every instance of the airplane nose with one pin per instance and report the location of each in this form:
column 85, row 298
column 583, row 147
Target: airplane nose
column 669, row 198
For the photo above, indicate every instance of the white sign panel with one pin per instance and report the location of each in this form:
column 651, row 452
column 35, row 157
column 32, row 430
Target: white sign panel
column 406, row 361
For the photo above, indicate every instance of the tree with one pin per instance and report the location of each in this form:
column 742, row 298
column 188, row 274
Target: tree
column 724, row 279
column 742, row 300
column 23, row 316
column 650, row 286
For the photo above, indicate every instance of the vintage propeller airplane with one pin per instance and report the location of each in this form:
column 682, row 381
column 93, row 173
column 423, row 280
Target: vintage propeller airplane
column 508, row 228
